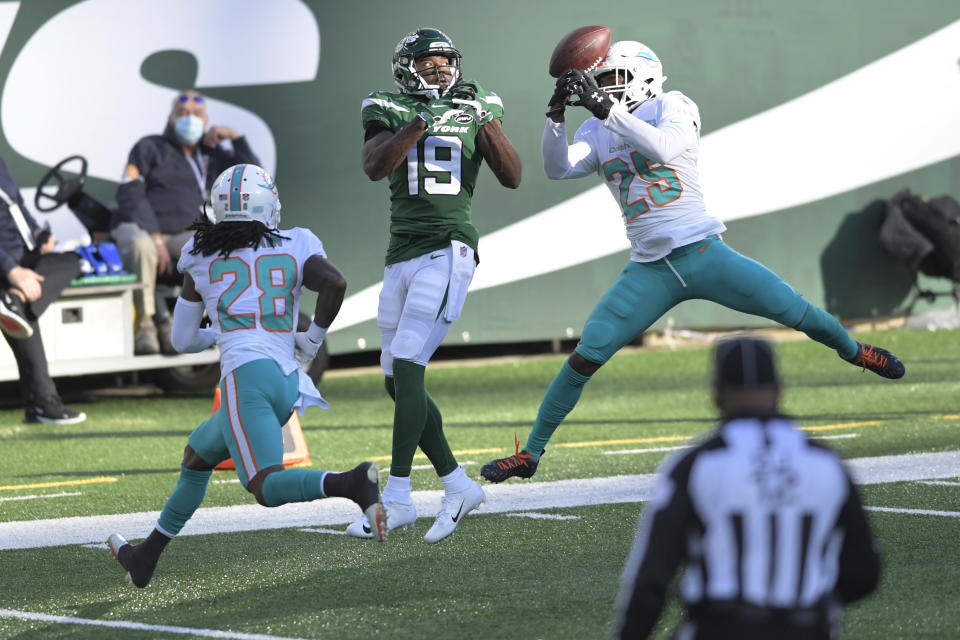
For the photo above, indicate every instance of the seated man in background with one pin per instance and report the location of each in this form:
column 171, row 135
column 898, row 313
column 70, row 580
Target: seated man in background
column 164, row 186
column 31, row 277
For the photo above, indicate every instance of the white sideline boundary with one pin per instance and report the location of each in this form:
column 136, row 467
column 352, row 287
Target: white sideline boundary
column 916, row 512
column 138, row 626
column 501, row 498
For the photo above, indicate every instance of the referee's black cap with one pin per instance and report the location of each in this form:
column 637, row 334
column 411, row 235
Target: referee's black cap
column 744, row 363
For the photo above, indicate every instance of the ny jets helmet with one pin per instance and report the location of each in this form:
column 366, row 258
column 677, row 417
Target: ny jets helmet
column 639, row 72
column 244, row 193
column 415, row 45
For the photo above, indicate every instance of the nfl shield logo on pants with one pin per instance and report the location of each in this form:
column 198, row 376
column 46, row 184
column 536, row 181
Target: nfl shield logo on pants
column 463, row 252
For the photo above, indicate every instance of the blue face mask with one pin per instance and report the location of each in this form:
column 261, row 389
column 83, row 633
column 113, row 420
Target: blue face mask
column 189, row 128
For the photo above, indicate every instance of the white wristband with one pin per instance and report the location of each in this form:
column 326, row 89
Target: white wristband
column 315, row 333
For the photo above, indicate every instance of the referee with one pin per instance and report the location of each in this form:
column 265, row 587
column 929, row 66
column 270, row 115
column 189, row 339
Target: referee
column 768, row 524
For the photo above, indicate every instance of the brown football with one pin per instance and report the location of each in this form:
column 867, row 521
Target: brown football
column 582, row 49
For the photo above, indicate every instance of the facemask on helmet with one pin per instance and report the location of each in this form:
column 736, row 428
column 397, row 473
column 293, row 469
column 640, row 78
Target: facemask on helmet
column 639, row 74
column 419, row 44
column 244, row 193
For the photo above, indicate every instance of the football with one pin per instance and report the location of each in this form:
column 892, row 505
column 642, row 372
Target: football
column 582, row 49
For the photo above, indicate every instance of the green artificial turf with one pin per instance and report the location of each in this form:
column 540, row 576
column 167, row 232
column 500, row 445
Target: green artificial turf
column 498, row 575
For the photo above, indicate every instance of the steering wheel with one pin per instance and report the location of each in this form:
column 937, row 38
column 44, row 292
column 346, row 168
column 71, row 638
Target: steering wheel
column 64, row 189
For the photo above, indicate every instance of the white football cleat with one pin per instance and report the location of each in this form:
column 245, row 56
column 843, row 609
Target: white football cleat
column 455, row 507
column 398, row 515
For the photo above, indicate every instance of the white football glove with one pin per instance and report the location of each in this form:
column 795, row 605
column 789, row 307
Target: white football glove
column 307, row 343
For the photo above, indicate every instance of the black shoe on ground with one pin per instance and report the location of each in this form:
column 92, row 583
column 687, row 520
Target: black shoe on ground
column 50, row 410
column 139, row 566
column 362, row 485
column 13, row 317
column 520, row 465
column 880, row 361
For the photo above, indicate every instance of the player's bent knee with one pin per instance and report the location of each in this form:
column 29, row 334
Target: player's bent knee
column 255, row 486
column 583, row 366
column 193, row 461
column 785, row 304
column 407, row 345
column 597, row 334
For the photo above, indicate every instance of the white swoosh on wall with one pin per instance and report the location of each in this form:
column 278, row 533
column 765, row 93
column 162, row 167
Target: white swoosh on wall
column 892, row 116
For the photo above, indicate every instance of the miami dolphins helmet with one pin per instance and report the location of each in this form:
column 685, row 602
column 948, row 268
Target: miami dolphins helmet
column 639, row 74
column 244, row 193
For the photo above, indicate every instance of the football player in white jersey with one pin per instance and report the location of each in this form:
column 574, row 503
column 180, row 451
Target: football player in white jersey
column 644, row 145
column 247, row 275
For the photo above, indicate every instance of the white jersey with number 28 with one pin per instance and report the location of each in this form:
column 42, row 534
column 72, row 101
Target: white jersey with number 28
column 252, row 298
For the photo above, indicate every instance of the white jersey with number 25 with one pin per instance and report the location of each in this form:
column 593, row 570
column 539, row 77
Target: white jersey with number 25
column 648, row 160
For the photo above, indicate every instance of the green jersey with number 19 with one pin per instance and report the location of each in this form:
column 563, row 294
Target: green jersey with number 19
column 430, row 193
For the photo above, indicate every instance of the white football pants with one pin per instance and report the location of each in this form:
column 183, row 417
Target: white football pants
column 411, row 314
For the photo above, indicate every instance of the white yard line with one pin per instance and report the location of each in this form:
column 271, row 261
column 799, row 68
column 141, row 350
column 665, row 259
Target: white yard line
column 336, row 532
column 916, row 512
column 501, row 498
column 138, row 626
column 40, row 496
column 941, row 483
column 535, row 515
column 621, row 452
column 429, row 467
column 839, row 436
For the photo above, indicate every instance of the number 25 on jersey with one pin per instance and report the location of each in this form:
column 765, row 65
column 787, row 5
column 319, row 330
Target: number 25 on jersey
column 664, row 185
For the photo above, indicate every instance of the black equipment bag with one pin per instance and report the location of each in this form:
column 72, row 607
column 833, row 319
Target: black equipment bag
column 924, row 234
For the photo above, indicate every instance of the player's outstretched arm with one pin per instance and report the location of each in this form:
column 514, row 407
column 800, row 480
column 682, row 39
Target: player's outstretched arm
column 500, row 154
column 384, row 150
column 662, row 143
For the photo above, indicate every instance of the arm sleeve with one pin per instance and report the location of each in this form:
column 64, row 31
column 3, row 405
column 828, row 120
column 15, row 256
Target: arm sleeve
column 561, row 161
column 859, row 571
column 132, row 203
column 375, row 109
column 491, row 102
column 186, row 258
column 186, row 334
column 676, row 131
column 657, row 552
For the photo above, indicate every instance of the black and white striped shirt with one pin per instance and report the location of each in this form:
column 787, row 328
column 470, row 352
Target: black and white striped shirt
column 770, row 528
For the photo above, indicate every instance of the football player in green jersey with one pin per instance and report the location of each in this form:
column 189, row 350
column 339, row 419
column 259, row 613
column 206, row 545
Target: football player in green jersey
column 429, row 139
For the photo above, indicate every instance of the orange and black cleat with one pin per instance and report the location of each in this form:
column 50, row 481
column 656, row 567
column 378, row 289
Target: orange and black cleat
column 880, row 361
column 521, row 465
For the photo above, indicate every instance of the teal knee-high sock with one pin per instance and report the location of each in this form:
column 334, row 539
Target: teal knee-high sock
column 825, row 329
column 185, row 499
column 560, row 399
column 293, row 485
